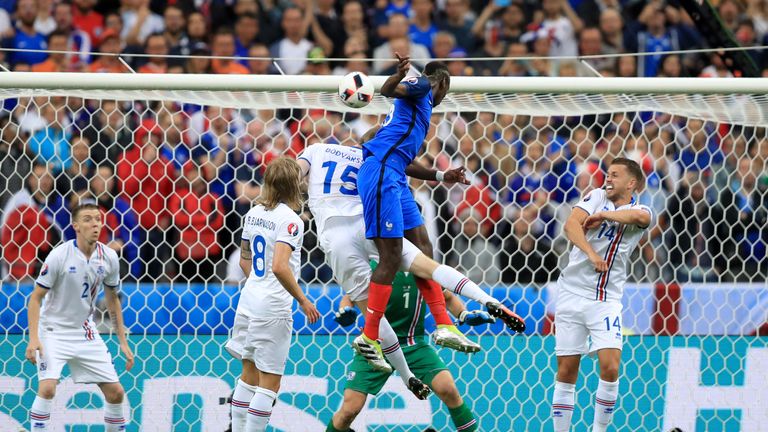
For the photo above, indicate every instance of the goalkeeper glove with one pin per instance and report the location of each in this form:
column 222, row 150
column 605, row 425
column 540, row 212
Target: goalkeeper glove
column 346, row 316
column 475, row 318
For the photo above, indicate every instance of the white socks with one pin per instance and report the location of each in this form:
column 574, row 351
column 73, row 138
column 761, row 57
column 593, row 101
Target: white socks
column 113, row 417
column 456, row 282
column 241, row 398
column 391, row 349
column 605, row 402
column 259, row 410
column 40, row 414
column 562, row 406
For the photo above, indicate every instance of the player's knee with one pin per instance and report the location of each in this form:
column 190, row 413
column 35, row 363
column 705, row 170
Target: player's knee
column 449, row 395
column 609, row 372
column 349, row 412
column 47, row 391
column 114, row 394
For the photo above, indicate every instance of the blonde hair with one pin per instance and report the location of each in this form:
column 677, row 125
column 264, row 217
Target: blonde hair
column 282, row 184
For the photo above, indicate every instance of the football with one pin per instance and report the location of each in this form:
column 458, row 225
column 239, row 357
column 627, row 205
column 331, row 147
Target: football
column 356, row 90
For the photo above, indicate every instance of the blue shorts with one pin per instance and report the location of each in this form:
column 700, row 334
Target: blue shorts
column 388, row 205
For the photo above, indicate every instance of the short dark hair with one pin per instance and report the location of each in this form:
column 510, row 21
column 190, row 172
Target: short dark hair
column 80, row 207
column 633, row 168
column 58, row 33
column 434, row 66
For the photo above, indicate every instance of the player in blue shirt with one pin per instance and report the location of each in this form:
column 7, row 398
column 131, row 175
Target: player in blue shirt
column 388, row 206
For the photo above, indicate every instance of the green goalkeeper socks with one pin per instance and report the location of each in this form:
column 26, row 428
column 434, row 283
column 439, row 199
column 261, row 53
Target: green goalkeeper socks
column 330, row 428
column 462, row 418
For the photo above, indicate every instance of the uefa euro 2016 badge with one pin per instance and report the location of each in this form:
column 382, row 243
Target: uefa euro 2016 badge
column 100, row 270
column 293, row 229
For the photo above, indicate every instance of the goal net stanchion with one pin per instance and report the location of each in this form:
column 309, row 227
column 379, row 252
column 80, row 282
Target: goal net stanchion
column 694, row 308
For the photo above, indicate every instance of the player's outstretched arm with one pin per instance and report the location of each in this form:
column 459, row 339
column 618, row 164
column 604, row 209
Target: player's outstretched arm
column 282, row 270
column 639, row 217
column 456, row 175
column 574, row 232
column 116, row 312
column 33, row 317
column 392, row 86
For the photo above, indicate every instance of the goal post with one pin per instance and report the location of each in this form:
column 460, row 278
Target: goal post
column 695, row 306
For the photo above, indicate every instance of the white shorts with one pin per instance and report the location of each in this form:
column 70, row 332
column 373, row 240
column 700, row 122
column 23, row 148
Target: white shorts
column 584, row 326
column 263, row 341
column 89, row 360
column 349, row 254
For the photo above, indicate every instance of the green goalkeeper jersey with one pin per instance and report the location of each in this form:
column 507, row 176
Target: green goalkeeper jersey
column 406, row 310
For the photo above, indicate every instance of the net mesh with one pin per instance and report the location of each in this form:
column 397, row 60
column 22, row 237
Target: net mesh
column 175, row 171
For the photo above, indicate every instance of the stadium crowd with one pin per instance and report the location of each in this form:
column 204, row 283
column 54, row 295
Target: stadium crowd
column 174, row 180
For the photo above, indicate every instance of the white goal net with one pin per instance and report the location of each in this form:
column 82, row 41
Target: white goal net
column 175, row 162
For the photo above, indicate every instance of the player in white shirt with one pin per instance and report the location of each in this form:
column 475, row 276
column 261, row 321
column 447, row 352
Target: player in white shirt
column 604, row 228
column 63, row 332
column 271, row 257
column 331, row 172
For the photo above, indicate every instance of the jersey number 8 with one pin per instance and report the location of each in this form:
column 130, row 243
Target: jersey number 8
column 259, row 249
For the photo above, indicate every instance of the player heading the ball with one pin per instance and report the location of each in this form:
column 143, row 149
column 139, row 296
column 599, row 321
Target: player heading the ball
column 270, row 254
column 383, row 186
column 63, row 332
column 604, row 228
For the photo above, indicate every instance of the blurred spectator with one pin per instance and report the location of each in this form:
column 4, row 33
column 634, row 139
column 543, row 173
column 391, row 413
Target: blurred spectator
column 316, row 63
column 215, row 148
column 591, row 11
column 671, row 66
column 108, row 133
column 111, row 47
column 77, row 40
column 498, row 28
column 687, row 231
column 443, row 43
column 246, row 32
column 6, row 28
column 355, row 63
column 121, row 230
column 198, row 63
column 612, row 28
column 657, row 37
column 28, row 233
column 757, row 10
column 294, row 44
column 561, row 24
column 326, row 21
column 458, row 22
column 14, row 165
column 591, row 44
column 174, row 147
column 729, row 11
column 175, row 34
column 26, row 37
column 57, row 61
column 700, row 150
column 746, row 36
column 224, row 46
column 742, row 222
column 526, row 256
column 157, row 47
column 533, row 176
column 138, row 21
column 146, row 182
column 716, row 68
column 397, row 35
column 195, row 32
column 44, row 22
column 198, row 215
column 626, row 67
column 473, row 253
column 422, row 29
column 458, row 66
column 259, row 67
column 51, row 144
column 86, row 19
column 512, row 67
column 81, row 165
column 353, row 22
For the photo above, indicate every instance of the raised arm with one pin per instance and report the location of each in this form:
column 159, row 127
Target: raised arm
column 421, row 172
column 639, row 217
column 576, row 235
column 282, row 270
column 392, row 86
column 116, row 313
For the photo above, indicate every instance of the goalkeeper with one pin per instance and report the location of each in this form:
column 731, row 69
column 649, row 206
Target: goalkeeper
column 405, row 311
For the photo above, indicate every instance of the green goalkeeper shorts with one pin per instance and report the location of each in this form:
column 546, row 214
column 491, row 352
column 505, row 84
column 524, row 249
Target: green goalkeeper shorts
column 422, row 359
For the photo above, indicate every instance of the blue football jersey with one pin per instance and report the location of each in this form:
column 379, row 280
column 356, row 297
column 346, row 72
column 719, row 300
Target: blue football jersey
column 403, row 131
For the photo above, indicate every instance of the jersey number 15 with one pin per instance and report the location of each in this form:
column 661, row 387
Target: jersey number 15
column 348, row 177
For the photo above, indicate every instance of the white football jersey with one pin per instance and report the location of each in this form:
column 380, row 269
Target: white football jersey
column 73, row 282
column 613, row 241
column 332, row 181
column 263, row 296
